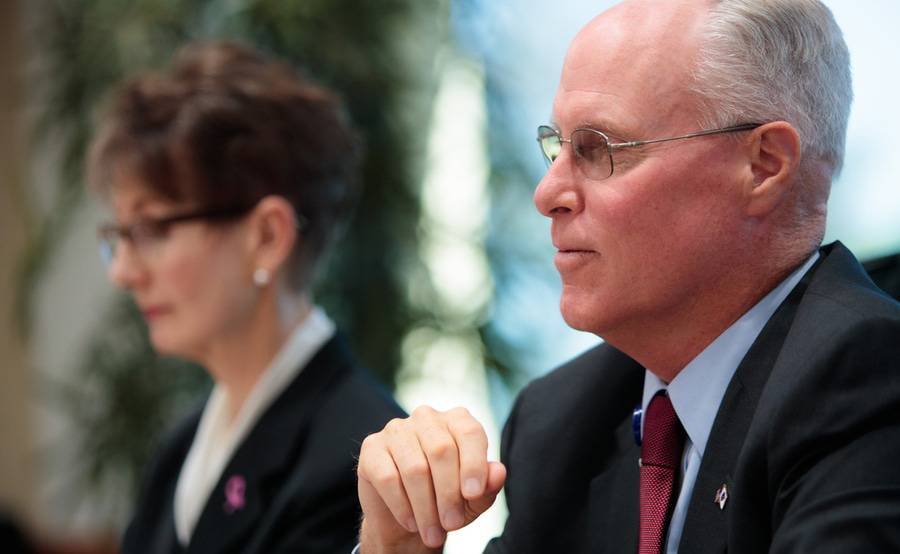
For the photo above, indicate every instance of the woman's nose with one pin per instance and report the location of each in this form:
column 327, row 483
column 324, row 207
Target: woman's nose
column 126, row 269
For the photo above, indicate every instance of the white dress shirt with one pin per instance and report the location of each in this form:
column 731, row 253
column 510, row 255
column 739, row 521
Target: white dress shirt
column 218, row 436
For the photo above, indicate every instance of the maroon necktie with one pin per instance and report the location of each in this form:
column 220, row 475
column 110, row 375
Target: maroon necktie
column 663, row 441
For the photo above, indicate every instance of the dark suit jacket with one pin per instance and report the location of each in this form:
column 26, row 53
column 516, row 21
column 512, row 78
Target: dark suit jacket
column 298, row 463
column 807, row 438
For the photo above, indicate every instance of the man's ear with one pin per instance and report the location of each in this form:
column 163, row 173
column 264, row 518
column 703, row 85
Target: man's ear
column 274, row 233
column 774, row 160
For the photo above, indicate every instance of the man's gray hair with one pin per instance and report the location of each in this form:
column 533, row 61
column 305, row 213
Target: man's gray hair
column 767, row 60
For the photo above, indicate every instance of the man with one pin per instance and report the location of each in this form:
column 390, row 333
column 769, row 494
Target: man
column 691, row 154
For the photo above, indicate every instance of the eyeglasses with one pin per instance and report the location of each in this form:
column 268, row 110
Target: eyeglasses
column 146, row 234
column 594, row 151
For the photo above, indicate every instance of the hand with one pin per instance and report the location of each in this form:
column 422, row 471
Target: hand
column 423, row 476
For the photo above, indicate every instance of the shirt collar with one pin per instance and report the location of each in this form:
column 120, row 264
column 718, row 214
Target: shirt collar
column 697, row 390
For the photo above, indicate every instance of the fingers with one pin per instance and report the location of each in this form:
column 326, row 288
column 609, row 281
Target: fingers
column 472, row 441
column 380, row 473
column 442, row 453
column 415, row 472
column 426, row 474
column 496, row 479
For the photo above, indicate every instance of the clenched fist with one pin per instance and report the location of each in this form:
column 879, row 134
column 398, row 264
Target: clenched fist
column 421, row 477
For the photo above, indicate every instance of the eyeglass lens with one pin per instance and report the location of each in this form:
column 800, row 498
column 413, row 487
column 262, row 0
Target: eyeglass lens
column 143, row 235
column 107, row 250
column 548, row 138
column 591, row 150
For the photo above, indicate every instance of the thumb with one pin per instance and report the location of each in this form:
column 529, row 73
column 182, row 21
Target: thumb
column 496, row 479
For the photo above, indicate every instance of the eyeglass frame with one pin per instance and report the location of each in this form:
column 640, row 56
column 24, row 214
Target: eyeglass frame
column 610, row 146
column 110, row 234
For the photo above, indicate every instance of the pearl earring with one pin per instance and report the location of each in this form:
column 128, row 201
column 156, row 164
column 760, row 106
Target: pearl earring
column 261, row 277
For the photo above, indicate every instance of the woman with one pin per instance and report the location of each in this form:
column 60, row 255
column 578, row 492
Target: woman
column 227, row 177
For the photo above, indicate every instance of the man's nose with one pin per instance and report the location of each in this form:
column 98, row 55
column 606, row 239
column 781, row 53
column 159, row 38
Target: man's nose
column 559, row 190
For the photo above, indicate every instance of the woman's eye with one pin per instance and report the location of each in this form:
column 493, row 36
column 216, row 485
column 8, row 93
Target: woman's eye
column 150, row 230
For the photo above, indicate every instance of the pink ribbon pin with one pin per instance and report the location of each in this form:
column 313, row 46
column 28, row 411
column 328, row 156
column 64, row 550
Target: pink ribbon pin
column 235, row 489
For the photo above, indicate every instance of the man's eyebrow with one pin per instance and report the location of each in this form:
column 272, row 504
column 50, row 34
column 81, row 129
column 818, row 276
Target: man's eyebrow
column 608, row 128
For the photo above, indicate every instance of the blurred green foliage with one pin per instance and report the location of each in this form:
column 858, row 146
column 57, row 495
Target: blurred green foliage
column 379, row 55
column 121, row 398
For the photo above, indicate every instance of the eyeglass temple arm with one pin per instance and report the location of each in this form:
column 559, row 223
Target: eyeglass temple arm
column 736, row 128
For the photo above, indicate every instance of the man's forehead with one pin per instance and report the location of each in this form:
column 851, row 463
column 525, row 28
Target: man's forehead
column 603, row 111
column 639, row 32
column 640, row 50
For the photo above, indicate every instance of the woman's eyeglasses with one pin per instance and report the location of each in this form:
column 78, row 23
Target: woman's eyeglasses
column 147, row 233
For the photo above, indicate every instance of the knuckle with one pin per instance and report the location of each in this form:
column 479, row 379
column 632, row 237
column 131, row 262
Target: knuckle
column 365, row 456
column 442, row 449
column 384, row 478
column 423, row 412
column 468, row 428
column 368, row 443
column 417, row 470
column 460, row 412
column 395, row 425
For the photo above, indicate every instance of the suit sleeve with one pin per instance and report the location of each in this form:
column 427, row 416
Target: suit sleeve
column 837, row 486
column 498, row 545
column 333, row 527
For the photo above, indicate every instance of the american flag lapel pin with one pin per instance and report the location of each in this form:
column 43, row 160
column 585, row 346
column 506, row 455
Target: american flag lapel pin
column 721, row 496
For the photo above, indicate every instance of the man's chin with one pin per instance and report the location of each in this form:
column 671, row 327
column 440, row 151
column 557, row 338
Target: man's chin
column 580, row 314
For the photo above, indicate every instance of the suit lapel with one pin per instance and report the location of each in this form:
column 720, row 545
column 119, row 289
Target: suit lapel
column 614, row 498
column 152, row 529
column 253, row 475
column 705, row 526
column 165, row 538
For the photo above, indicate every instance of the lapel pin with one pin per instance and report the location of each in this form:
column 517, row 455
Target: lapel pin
column 235, row 490
column 721, row 496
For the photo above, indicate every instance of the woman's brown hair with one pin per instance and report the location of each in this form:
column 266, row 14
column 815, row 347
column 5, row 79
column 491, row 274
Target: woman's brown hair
column 226, row 126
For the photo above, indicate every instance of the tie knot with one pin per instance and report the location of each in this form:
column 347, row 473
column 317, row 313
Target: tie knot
column 663, row 438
